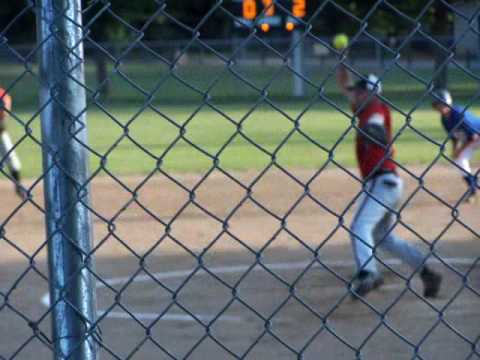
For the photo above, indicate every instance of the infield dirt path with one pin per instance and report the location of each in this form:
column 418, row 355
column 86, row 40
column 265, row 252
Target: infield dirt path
column 130, row 238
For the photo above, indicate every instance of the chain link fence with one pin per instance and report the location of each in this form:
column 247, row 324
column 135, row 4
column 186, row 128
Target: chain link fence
column 210, row 212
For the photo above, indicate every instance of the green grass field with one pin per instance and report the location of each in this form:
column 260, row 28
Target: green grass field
column 150, row 134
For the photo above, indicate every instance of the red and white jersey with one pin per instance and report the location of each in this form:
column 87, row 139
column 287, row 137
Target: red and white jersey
column 370, row 156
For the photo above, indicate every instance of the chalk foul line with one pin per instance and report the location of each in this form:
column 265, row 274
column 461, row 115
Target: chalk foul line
column 45, row 299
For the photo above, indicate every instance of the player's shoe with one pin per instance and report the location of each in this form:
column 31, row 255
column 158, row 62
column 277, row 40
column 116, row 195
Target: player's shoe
column 21, row 192
column 471, row 198
column 366, row 282
column 431, row 282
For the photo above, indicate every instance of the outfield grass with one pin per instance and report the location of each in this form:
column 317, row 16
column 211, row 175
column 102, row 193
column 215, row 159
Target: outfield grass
column 209, row 131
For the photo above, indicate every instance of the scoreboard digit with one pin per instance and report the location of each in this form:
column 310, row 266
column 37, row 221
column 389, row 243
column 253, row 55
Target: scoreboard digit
column 269, row 7
column 266, row 12
column 299, row 8
column 249, row 9
column 299, row 11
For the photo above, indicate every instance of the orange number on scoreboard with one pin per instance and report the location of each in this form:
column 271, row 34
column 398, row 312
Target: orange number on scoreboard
column 299, row 8
column 269, row 7
column 249, row 9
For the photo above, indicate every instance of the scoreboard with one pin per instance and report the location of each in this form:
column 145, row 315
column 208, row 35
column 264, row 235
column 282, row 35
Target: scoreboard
column 268, row 13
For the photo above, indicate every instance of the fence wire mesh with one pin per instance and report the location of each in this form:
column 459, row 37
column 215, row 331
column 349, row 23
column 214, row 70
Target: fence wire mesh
column 224, row 206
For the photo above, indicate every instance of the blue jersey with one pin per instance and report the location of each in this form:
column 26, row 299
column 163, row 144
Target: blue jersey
column 461, row 125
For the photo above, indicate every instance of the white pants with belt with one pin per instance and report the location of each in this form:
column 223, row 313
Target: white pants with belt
column 373, row 224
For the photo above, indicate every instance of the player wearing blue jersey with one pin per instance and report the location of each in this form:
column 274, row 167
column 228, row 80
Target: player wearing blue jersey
column 463, row 128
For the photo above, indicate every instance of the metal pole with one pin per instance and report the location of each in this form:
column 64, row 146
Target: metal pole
column 298, row 85
column 68, row 223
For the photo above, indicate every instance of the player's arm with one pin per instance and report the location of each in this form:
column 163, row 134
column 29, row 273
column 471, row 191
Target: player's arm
column 469, row 136
column 375, row 131
column 344, row 80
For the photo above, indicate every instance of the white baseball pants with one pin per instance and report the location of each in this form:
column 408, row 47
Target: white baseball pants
column 7, row 153
column 373, row 224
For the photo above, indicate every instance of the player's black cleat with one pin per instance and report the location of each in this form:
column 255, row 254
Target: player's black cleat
column 19, row 189
column 21, row 192
column 431, row 282
column 366, row 282
column 471, row 198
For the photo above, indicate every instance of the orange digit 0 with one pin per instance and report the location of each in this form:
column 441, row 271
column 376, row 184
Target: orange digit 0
column 249, row 9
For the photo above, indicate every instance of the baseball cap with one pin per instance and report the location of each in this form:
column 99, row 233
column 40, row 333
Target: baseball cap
column 370, row 83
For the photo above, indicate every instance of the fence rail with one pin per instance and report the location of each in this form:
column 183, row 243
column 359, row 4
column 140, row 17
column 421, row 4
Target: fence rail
column 365, row 49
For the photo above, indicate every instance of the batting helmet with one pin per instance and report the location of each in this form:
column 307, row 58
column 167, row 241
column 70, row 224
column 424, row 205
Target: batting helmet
column 442, row 96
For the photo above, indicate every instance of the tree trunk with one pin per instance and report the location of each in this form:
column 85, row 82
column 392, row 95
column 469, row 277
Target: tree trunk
column 102, row 74
column 441, row 30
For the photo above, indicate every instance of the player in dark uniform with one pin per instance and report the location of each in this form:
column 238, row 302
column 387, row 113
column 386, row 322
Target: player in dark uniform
column 463, row 128
column 375, row 218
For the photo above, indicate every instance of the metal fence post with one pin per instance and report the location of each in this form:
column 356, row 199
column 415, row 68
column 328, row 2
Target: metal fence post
column 65, row 162
column 298, row 58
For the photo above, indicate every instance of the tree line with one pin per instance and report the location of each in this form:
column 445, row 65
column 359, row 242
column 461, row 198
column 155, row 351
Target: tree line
column 107, row 20
column 124, row 20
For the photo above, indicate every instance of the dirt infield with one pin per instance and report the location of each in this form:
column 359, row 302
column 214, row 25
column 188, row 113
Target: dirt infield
column 290, row 305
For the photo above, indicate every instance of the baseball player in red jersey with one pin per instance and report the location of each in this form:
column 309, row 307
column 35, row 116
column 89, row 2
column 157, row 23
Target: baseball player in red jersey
column 7, row 153
column 374, row 220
